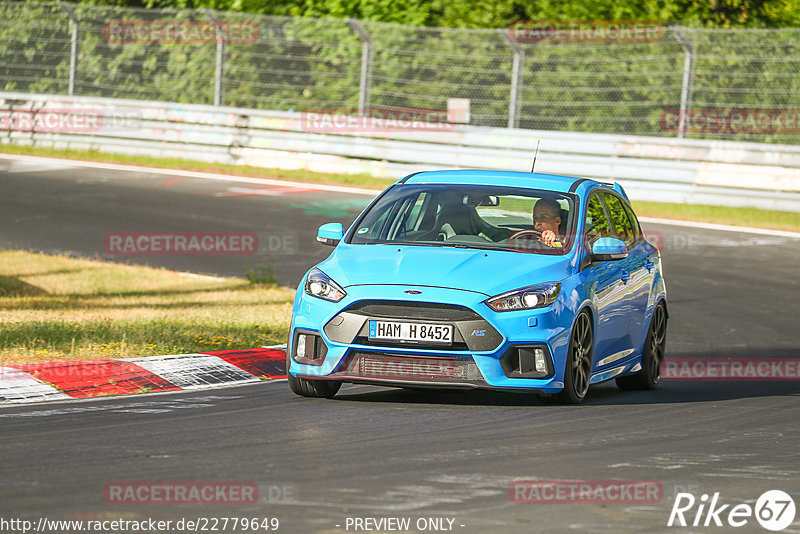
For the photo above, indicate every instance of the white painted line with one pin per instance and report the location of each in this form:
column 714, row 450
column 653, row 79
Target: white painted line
column 194, row 174
column 72, row 405
column 19, row 386
column 191, row 371
column 721, row 227
column 21, row 166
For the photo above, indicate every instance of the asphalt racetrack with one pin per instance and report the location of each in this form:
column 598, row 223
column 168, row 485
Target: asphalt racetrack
column 446, row 458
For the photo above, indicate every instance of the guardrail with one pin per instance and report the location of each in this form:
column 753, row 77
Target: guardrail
column 650, row 168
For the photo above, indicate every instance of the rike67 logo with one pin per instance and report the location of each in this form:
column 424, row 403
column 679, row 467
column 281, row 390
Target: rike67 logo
column 774, row 510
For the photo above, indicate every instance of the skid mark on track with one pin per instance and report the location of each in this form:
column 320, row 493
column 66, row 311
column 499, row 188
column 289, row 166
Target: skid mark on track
column 331, row 208
column 672, row 461
column 264, row 191
column 146, row 407
column 755, row 435
column 758, row 471
column 446, row 493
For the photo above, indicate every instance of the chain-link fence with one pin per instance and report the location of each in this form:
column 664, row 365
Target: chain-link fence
column 696, row 83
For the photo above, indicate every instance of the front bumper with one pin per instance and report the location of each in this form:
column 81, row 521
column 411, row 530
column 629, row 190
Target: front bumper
column 485, row 350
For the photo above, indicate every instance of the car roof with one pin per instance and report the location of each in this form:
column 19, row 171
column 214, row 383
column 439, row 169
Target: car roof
column 549, row 182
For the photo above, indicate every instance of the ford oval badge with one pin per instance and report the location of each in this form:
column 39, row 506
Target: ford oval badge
column 412, row 291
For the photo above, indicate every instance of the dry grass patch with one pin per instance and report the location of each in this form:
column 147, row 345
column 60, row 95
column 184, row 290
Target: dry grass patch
column 61, row 308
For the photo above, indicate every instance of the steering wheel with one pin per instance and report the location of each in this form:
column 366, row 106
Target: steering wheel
column 526, row 240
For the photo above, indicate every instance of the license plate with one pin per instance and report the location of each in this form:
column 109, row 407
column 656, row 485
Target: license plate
column 411, row 332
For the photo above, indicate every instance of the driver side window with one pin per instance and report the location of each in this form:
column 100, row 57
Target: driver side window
column 596, row 222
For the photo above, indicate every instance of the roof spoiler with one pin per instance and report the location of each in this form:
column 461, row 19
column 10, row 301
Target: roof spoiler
column 618, row 188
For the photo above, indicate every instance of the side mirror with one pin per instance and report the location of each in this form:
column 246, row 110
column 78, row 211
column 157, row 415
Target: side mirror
column 609, row 248
column 330, row 233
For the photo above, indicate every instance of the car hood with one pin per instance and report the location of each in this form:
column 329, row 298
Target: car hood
column 482, row 271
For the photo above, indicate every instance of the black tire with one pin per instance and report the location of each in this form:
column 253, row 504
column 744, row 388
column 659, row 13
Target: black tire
column 578, row 367
column 654, row 347
column 311, row 388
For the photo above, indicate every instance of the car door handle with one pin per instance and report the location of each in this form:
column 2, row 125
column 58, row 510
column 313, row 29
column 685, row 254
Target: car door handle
column 625, row 277
column 649, row 265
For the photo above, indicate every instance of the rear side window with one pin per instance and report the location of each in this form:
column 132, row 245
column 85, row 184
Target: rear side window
column 637, row 228
column 596, row 222
column 619, row 218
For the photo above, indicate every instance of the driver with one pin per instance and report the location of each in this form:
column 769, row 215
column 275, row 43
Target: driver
column 547, row 219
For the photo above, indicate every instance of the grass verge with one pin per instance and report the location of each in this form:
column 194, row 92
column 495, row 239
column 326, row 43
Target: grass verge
column 59, row 308
column 769, row 219
column 775, row 220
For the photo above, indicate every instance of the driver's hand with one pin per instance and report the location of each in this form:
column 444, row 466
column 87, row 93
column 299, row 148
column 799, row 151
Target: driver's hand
column 548, row 237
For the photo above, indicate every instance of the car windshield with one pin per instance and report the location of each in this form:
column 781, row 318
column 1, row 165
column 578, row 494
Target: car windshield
column 469, row 216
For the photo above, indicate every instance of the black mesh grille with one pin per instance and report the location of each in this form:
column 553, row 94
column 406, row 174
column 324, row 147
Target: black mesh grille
column 413, row 310
column 400, row 368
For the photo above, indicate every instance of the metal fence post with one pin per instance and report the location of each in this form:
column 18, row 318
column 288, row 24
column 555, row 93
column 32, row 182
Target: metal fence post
column 688, row 78
column 73, row 48
column 366, row 65
column 220, row 59
column 515, row 98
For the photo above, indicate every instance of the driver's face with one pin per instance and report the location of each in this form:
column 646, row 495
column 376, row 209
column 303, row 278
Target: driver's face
column 544, row 220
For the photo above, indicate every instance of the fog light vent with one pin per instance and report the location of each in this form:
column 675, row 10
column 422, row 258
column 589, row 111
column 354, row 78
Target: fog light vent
column 531, row 361
column 308, row 348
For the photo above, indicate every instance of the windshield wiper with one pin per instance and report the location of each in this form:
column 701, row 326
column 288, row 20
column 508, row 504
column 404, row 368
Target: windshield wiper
column 461, row 245
column 425, row 244
column 400, row 243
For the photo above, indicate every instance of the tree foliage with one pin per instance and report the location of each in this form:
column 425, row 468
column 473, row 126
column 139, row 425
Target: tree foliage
column 305, row 63
column 502, row 13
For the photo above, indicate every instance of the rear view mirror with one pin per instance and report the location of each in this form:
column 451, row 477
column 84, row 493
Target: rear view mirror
column 487, row 200
column 609, row 248
column 330, row 233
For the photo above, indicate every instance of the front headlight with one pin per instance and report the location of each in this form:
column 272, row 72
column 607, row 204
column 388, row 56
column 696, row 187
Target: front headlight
column 319, row 284
column 526, row 298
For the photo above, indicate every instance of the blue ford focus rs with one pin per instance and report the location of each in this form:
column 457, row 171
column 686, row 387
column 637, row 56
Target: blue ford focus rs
column 483, row 279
